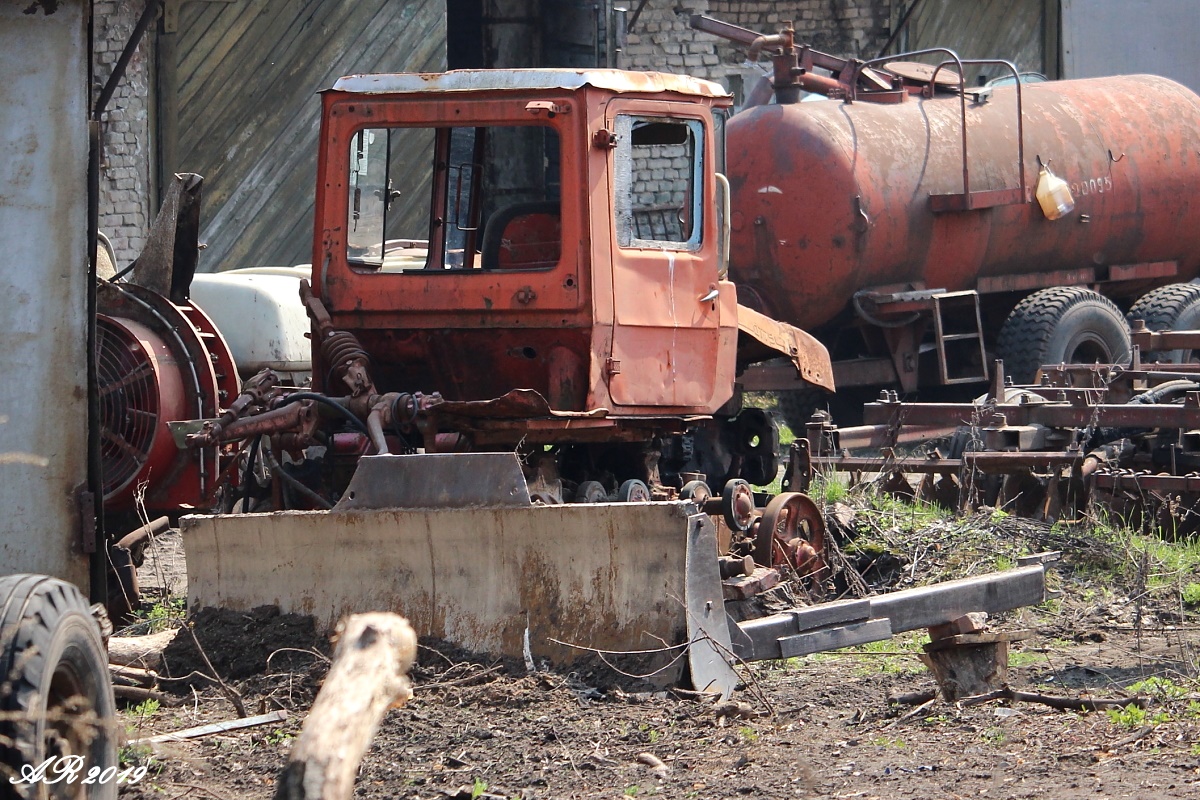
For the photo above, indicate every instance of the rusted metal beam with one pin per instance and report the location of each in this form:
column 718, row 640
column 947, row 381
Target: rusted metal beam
column 1051, row 415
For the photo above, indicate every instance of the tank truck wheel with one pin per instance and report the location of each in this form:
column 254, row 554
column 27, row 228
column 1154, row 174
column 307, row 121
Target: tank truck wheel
column 737, row 505
column 54, row 683
column 591, row 492
column 633, row 491
column 1169, row 308
column 1062, row 324
column 696, row 491
column 792, row 532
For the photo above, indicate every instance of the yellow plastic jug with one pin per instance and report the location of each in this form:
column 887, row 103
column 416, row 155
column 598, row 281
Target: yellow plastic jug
column 1053, row 195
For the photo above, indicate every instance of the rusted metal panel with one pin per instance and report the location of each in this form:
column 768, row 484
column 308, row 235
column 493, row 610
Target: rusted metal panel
column 608, row 576
column 829, row 198
column 810, row 358
column 43, row 280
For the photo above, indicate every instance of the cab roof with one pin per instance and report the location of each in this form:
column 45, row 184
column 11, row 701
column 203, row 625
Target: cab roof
column 466, row 80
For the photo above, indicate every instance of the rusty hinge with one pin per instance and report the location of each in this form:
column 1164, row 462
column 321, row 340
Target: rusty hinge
column 612, row 366
column 604, row 138
column 85, row 502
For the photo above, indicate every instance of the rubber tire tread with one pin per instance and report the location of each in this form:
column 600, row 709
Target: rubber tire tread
column 41, row 615
column 1026, row 337
column 1174, row 307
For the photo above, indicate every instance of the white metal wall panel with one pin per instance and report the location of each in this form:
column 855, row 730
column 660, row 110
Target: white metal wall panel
column 1120, row 37
column 43, row 281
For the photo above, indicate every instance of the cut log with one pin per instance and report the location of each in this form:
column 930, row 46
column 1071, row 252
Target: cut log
column 369, row 675
column 145, row 652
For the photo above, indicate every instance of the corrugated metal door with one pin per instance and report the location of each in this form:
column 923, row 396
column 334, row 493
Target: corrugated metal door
column 248, row 74
column 1015, row 30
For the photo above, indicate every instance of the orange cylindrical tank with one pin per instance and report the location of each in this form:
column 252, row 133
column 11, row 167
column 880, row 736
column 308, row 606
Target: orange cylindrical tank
column 831, row 198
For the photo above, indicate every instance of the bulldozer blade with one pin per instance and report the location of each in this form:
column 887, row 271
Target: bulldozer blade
column 575, row 579
column 436, row 480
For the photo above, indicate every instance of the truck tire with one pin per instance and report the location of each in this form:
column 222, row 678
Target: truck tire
column 1062, row 324
column 54, row 686
column 1175, row 307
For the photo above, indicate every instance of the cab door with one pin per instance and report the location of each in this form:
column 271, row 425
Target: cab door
column 666, row 339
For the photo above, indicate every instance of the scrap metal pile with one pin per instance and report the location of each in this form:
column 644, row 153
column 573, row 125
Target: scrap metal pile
column 1083, row 437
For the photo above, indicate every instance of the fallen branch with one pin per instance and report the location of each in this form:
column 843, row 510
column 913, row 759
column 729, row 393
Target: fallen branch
column 145, row 652
column 369, row 675
column 1061, row 703
column 132, row 676
column 141, row 695
column 912, row 713
column 912, row 698
column 1140, row 734
column 216, row 727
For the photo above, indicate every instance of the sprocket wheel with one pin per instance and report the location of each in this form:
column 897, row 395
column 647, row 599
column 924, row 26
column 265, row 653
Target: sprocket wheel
column 792, row 532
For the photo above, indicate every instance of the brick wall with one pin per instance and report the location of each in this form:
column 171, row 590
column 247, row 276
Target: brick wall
column 661, row 39
column 125, row 188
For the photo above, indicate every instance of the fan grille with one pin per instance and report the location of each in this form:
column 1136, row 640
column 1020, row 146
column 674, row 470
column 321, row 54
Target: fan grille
column 129, row 404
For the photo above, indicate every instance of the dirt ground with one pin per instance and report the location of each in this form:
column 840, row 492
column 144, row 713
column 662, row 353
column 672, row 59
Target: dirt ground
column 817, row 727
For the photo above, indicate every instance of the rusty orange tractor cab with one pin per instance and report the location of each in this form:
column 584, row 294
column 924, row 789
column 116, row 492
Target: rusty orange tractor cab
column 538, row 257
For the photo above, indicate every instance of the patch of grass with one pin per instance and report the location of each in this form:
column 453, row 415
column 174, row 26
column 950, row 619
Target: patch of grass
column 144, row 709
column 1024, row 658
column 1191, row 595
column 1158, row 688
column 829, row 488
column 1137, row 560
column 895, row 656
column 1131, row 716
column 993, row 736
column 162, row 614
column 884, row 741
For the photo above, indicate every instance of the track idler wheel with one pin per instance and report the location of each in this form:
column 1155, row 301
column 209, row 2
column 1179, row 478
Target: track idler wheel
column 792, row 532
column 696, row 491
column 737, row 505
column 591, row 492
column 633, row 491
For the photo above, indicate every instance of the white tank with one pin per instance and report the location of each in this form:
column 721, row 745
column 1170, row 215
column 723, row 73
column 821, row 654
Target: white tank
column 258, row 311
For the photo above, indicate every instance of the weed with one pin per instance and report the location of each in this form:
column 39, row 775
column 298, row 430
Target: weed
column 1133, row 717
column 1191, row 595
column 478, row 788
column 748, row 733
column 1158, row 688
column 278, row 736
column 632, row 790
column 993, row 736
column 162, row 614
column 1024, row 658
column 883, row 741
column 1004, row 562
column 146, row 708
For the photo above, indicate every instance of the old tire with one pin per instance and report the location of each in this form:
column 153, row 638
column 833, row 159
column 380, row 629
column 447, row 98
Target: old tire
column 1175, row 307
column 55, row 690
column 1062, row 325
